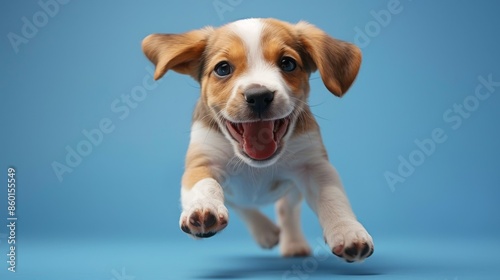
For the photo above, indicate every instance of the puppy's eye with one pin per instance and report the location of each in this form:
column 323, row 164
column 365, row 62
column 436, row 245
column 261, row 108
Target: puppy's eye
column 223, row 69
column 288, row 64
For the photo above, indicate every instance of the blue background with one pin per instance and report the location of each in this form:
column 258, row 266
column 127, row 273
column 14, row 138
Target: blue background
column 116, row 214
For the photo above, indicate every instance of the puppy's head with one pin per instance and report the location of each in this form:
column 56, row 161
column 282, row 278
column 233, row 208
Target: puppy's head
column 254, row 77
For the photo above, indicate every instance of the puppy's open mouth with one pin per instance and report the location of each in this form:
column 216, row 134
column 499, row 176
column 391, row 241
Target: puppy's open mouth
column 259, row 140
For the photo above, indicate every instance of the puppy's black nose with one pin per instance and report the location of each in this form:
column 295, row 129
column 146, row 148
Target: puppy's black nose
column 259, row 99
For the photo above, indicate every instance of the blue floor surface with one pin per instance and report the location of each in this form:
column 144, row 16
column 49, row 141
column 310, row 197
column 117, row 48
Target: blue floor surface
column 443, row 259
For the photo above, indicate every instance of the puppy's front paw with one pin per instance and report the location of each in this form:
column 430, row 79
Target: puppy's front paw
column 350, row 241
column 204, row 220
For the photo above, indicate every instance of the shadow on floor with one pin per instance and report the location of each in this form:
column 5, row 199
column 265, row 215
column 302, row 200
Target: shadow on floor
column 286, row 268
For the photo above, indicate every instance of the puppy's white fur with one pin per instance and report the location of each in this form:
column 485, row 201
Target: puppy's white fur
column 219, row 172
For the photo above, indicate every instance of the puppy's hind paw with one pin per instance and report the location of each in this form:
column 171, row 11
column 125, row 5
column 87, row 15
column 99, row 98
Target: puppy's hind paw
column 267, row 237
column 298, row 248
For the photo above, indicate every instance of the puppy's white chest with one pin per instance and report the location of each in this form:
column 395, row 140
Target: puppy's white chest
column 249, row 187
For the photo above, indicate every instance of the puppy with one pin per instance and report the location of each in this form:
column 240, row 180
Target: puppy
column 254, row 139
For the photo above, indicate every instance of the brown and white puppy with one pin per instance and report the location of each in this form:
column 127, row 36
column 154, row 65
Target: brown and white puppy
column 254, row 139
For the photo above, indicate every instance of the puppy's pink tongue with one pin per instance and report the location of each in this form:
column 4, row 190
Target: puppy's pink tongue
column 258, row 139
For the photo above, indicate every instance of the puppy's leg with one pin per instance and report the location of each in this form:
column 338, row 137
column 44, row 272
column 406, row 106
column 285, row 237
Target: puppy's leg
column 292, row 241
column 202, row 197
column 263, row 230
column 203, row 210
column 325, row 194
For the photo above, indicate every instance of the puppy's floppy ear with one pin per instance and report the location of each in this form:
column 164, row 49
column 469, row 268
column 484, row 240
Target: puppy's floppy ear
column 179, row 52
column 338, row 62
